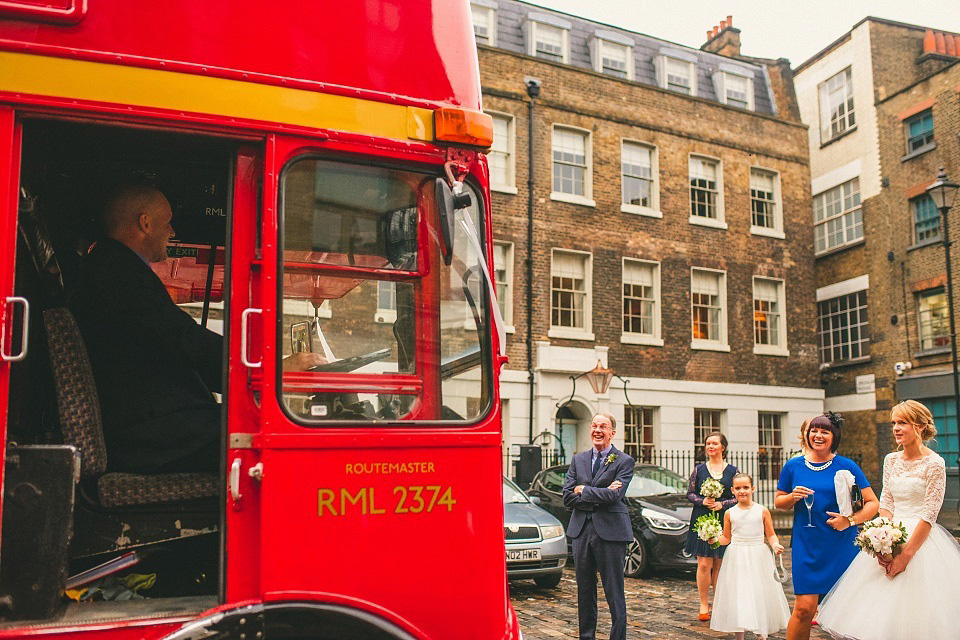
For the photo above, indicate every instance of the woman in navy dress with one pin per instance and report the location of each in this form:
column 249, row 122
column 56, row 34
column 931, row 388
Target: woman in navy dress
column 820, row 553
column 708, row 560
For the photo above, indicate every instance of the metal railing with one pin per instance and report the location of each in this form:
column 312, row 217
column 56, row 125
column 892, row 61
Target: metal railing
column 763, row 466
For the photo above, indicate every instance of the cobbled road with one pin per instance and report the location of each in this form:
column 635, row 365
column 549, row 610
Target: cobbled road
column 661, row 605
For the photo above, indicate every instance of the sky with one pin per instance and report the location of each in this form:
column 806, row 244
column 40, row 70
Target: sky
column 795, row 29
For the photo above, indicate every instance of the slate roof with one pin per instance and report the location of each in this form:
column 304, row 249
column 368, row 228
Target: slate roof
column 512, row 14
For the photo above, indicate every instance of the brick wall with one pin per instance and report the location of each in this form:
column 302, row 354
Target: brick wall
column 612, row 110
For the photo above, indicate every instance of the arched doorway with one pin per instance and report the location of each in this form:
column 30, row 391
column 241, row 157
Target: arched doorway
column 572, row 425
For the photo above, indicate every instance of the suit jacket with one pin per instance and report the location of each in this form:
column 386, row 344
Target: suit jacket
column 609, row 511
column 154, row 366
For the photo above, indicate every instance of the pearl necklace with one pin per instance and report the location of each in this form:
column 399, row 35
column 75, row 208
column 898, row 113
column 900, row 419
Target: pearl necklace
column 817, row 467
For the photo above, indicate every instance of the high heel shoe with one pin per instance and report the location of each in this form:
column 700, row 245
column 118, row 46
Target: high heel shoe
column 703, row 617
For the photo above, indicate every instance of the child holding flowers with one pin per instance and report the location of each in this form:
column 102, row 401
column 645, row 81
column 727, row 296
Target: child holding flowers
column 748, row 597
column 715, row 471
column 905, row 582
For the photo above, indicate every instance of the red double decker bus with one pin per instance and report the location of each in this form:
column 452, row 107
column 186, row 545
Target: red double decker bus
column 325, row 167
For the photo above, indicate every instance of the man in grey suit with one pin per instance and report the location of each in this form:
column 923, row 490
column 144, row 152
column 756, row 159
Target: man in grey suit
column 600, row 525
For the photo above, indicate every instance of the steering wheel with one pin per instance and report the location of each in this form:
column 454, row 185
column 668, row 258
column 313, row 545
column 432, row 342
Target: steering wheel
column 352, row 363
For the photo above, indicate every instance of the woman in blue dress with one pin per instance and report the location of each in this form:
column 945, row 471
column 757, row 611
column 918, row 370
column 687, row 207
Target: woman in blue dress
column 821, row 553
column 708, row 560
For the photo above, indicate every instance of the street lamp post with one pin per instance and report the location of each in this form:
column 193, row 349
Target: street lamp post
column 943, row 192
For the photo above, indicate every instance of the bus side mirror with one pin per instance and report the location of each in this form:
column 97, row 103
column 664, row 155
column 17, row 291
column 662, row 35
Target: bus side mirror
column 447, row 204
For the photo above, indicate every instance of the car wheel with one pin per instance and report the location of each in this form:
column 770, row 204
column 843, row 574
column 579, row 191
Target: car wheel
column 637, row 559
column 549, row 581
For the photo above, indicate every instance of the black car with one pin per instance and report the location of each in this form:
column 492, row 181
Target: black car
column 659, row 512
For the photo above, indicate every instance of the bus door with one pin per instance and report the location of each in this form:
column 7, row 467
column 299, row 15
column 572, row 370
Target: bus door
column 367, row 490
column 13, row 319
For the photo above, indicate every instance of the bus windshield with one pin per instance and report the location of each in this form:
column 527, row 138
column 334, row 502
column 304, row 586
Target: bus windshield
column 364, row 285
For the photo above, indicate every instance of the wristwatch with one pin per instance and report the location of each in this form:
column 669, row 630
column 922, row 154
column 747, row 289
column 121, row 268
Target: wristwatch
column 853, row 523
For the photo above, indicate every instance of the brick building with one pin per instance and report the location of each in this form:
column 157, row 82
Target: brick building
column 669, row 209
column 883, row 109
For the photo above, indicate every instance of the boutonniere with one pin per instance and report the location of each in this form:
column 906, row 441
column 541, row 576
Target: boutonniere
column 610, row 458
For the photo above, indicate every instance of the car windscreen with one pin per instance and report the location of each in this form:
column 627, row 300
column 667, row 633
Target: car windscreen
column 651, row 481
column 512, row 493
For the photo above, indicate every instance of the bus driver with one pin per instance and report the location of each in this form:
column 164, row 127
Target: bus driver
column 154, row 366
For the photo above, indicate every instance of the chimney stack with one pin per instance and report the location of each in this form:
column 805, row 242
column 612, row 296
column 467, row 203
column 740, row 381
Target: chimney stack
column 723, row 39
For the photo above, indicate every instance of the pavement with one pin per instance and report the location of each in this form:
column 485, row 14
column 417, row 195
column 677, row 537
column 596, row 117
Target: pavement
column 661, row 605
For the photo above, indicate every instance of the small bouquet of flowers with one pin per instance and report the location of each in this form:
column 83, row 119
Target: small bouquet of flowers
column 707, row 528
column 881, row 537
column 711, row 489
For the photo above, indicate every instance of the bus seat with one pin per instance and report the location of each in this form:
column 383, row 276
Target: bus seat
column 80, row 422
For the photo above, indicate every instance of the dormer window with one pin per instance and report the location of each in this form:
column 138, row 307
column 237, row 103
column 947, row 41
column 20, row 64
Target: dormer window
column 484, row 14
column 547, row 37
column 612, row 54
column 734, row 85
column 677, row 71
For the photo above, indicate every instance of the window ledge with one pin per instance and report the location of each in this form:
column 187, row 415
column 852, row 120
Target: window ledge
column 938, row 351
column 709, row 345
column 929, row 242
column 638, row 338
column 839, row 136
column 640, row 211
column 708, row 222
column 838, row 249
column 919, row 152
column 572, row 199
column 504, row 189
column 844, row 363
column 768, row 232
column 569, row 334
column 768, row 350
column 386, row 316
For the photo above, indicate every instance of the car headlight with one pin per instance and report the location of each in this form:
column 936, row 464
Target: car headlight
column 660, row 520
column 551, row 531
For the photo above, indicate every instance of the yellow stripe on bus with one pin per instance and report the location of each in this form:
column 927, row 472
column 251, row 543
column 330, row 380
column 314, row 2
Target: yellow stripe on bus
column 96, row 81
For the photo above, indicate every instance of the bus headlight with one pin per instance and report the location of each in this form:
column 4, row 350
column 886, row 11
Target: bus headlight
column 660, row 520
column 551, row 531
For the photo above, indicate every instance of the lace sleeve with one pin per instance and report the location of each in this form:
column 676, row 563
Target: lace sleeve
column 886, row 496
column 936, row 476
column 692, row 494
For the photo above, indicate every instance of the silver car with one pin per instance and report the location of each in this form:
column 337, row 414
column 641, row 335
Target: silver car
column 535, row 541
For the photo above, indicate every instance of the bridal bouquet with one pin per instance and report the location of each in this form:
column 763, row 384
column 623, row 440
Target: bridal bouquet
column 711, row 489
column 881, row 537
column 708, row 528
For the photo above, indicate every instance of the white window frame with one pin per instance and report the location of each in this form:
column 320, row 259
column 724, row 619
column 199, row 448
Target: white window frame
column 925, row 146
column 924, row 200
column 777, row 230
column 508, row 298
column 702, row 343
column 779, row 349
column 724, row 74
column 654, row 429
column 715, row 223
column 699, row 452
column 681, row 57
column 929, row 336
column 653, row 339
column 769, row 470
column 543, row 22
column 842, row 216
column 615, row 40
column 838, row 290
column 572, row 333
column 823, row 99
column 653, row 210
column 488, row 7
column 509, row 152
column 587, row 198
column 386, row 315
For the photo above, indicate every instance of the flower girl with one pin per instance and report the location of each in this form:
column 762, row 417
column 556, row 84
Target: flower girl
column 748, row 597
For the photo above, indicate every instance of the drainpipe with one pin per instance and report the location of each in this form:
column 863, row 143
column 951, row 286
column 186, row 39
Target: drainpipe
column 533, row 90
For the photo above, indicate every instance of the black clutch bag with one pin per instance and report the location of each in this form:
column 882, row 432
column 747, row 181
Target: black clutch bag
column 856, row 498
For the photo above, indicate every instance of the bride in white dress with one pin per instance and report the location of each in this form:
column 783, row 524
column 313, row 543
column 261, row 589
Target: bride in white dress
column 915, row 595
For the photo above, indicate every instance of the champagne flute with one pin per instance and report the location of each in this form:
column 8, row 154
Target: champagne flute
column 808, row 503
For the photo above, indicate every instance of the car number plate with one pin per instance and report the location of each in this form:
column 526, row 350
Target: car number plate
column 522, row 555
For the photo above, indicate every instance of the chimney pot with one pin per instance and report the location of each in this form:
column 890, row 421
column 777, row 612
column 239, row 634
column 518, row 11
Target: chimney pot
column 929, row 42
column 709, row 33
column 723, row 25
column 716, row 29
column 729, row 21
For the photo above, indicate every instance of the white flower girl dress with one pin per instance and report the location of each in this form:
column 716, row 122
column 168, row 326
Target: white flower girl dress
column 921, row 602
